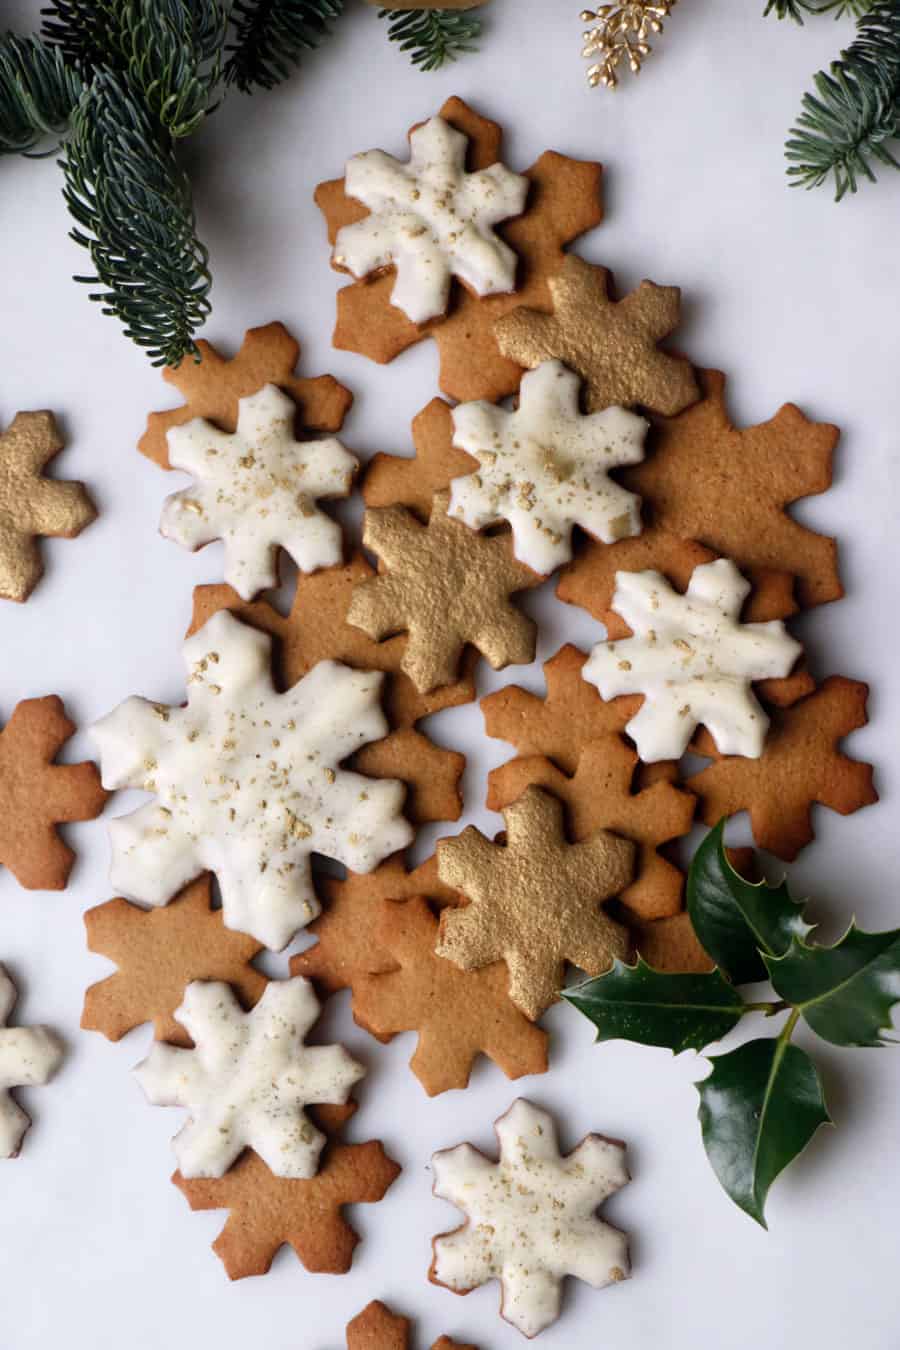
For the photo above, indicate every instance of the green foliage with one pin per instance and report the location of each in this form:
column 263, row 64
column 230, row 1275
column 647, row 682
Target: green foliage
column 85, row 31
column 736, row 920
column 844, row 993
column 133, row 213
column 432, row 36
column 678, row 1012
column 795, row 9
column 761, row 1103
column 844, row 128
column 270, row 36
column 759, row 1108
column 37, row 94
column 171, row 55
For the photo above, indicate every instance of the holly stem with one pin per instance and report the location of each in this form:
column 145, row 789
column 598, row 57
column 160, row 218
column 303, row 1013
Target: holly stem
column 771, row 1008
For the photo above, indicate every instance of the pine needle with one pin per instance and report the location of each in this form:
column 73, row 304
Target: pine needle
column 433, row 37
column 270, row 37
column 38, row 91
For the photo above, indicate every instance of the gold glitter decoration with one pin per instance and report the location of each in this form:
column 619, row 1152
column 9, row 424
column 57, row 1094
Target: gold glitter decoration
column 31, row 505
column 446, row 586
column 611, row 344
column 621, row 35
column 534, row 902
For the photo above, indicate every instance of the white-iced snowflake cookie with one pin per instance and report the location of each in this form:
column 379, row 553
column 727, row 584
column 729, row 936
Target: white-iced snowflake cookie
column 544, row 468
column 248, row 1079
column 432, row 219
column 29, row 1056
column 693, row 660
column 531, row 1217
column 248, row 783
column 256, row 490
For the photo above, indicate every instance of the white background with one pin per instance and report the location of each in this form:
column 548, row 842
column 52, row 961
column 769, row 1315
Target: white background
column 793, row 296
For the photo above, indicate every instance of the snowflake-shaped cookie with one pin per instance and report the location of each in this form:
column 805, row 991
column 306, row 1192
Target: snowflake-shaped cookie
column 432, row 219
column 531, row 1217
column 248, row 1079
column 693, row 660
column 544, row 468
column 248, row 783
column 29, row 1056
column 256, row 490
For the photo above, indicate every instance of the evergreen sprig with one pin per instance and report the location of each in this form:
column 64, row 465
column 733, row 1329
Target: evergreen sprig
column 270, row 37
column 795, row 9
column 38, row 91
column 133, row 211
column 846, row 126
column 432, row 37
column 171, row 51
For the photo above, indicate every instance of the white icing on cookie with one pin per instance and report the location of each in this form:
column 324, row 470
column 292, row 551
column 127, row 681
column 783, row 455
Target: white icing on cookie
column 248, row 1079
column 432, row 219
column 531, row 1216
column 544, row 468
column 248, row 783
column 29, row 1056
column 693, row 660
column 256, row 490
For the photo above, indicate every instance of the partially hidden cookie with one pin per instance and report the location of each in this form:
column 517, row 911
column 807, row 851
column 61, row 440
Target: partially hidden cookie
column 248, row 782
column 704, row 481
column 258, row 489
column 531, row 1217
column 563, row 201
column 535, row 900
column 37, row 794
column 413, row 480
column 268, row 1212
column 693, row 661
column 29, row 1057
column 430, row 220
column 159, row 952
column 801, row 765
column 613, row 345
column 377, row 1328
column 457, row 1014
column 317, row 630
column 32, row 505
column 213, row 386
column 446, row 587
column 544, row 468
column 247, row 1079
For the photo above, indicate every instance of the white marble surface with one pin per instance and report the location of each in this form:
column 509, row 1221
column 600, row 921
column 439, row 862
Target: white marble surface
column 796, row 299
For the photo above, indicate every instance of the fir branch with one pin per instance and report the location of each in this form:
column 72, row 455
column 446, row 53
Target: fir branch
column 432, row 36
column 85, row 31
column 132, row 207
column 270, row 37
column 38, row 92
column 795, row 9
column 171, row 51
column 848, row 126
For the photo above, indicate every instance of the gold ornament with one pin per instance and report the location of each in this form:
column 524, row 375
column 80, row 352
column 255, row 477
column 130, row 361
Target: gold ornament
column 621, row 35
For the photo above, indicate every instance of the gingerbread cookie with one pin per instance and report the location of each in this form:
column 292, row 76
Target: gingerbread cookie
column 247, row 1079
column 692, row 660
column 36, row 794
column 32, row 505
column 159, row 952
column 248, row 783
column 457, row 1014
column 611, row 345
column 377, row 1328
column 563, row 202
column 29, row 1057
column 213, row 387
column 257, row 489
column 534, row 902
column 266, row 1212
column 413, row 481
column 531, row 1217
column 317, row 630
column 544, row 468
column 446, row 587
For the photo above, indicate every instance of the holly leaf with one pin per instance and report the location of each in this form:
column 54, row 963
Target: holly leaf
column 845, row 992
column 759, row 1108
column 638, row 1003
column 737, row 921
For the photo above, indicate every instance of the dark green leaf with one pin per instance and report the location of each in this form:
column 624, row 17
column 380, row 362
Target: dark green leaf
column 759, row 1108
column 845, row 992
column 736, row 920
column 638, row 1003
